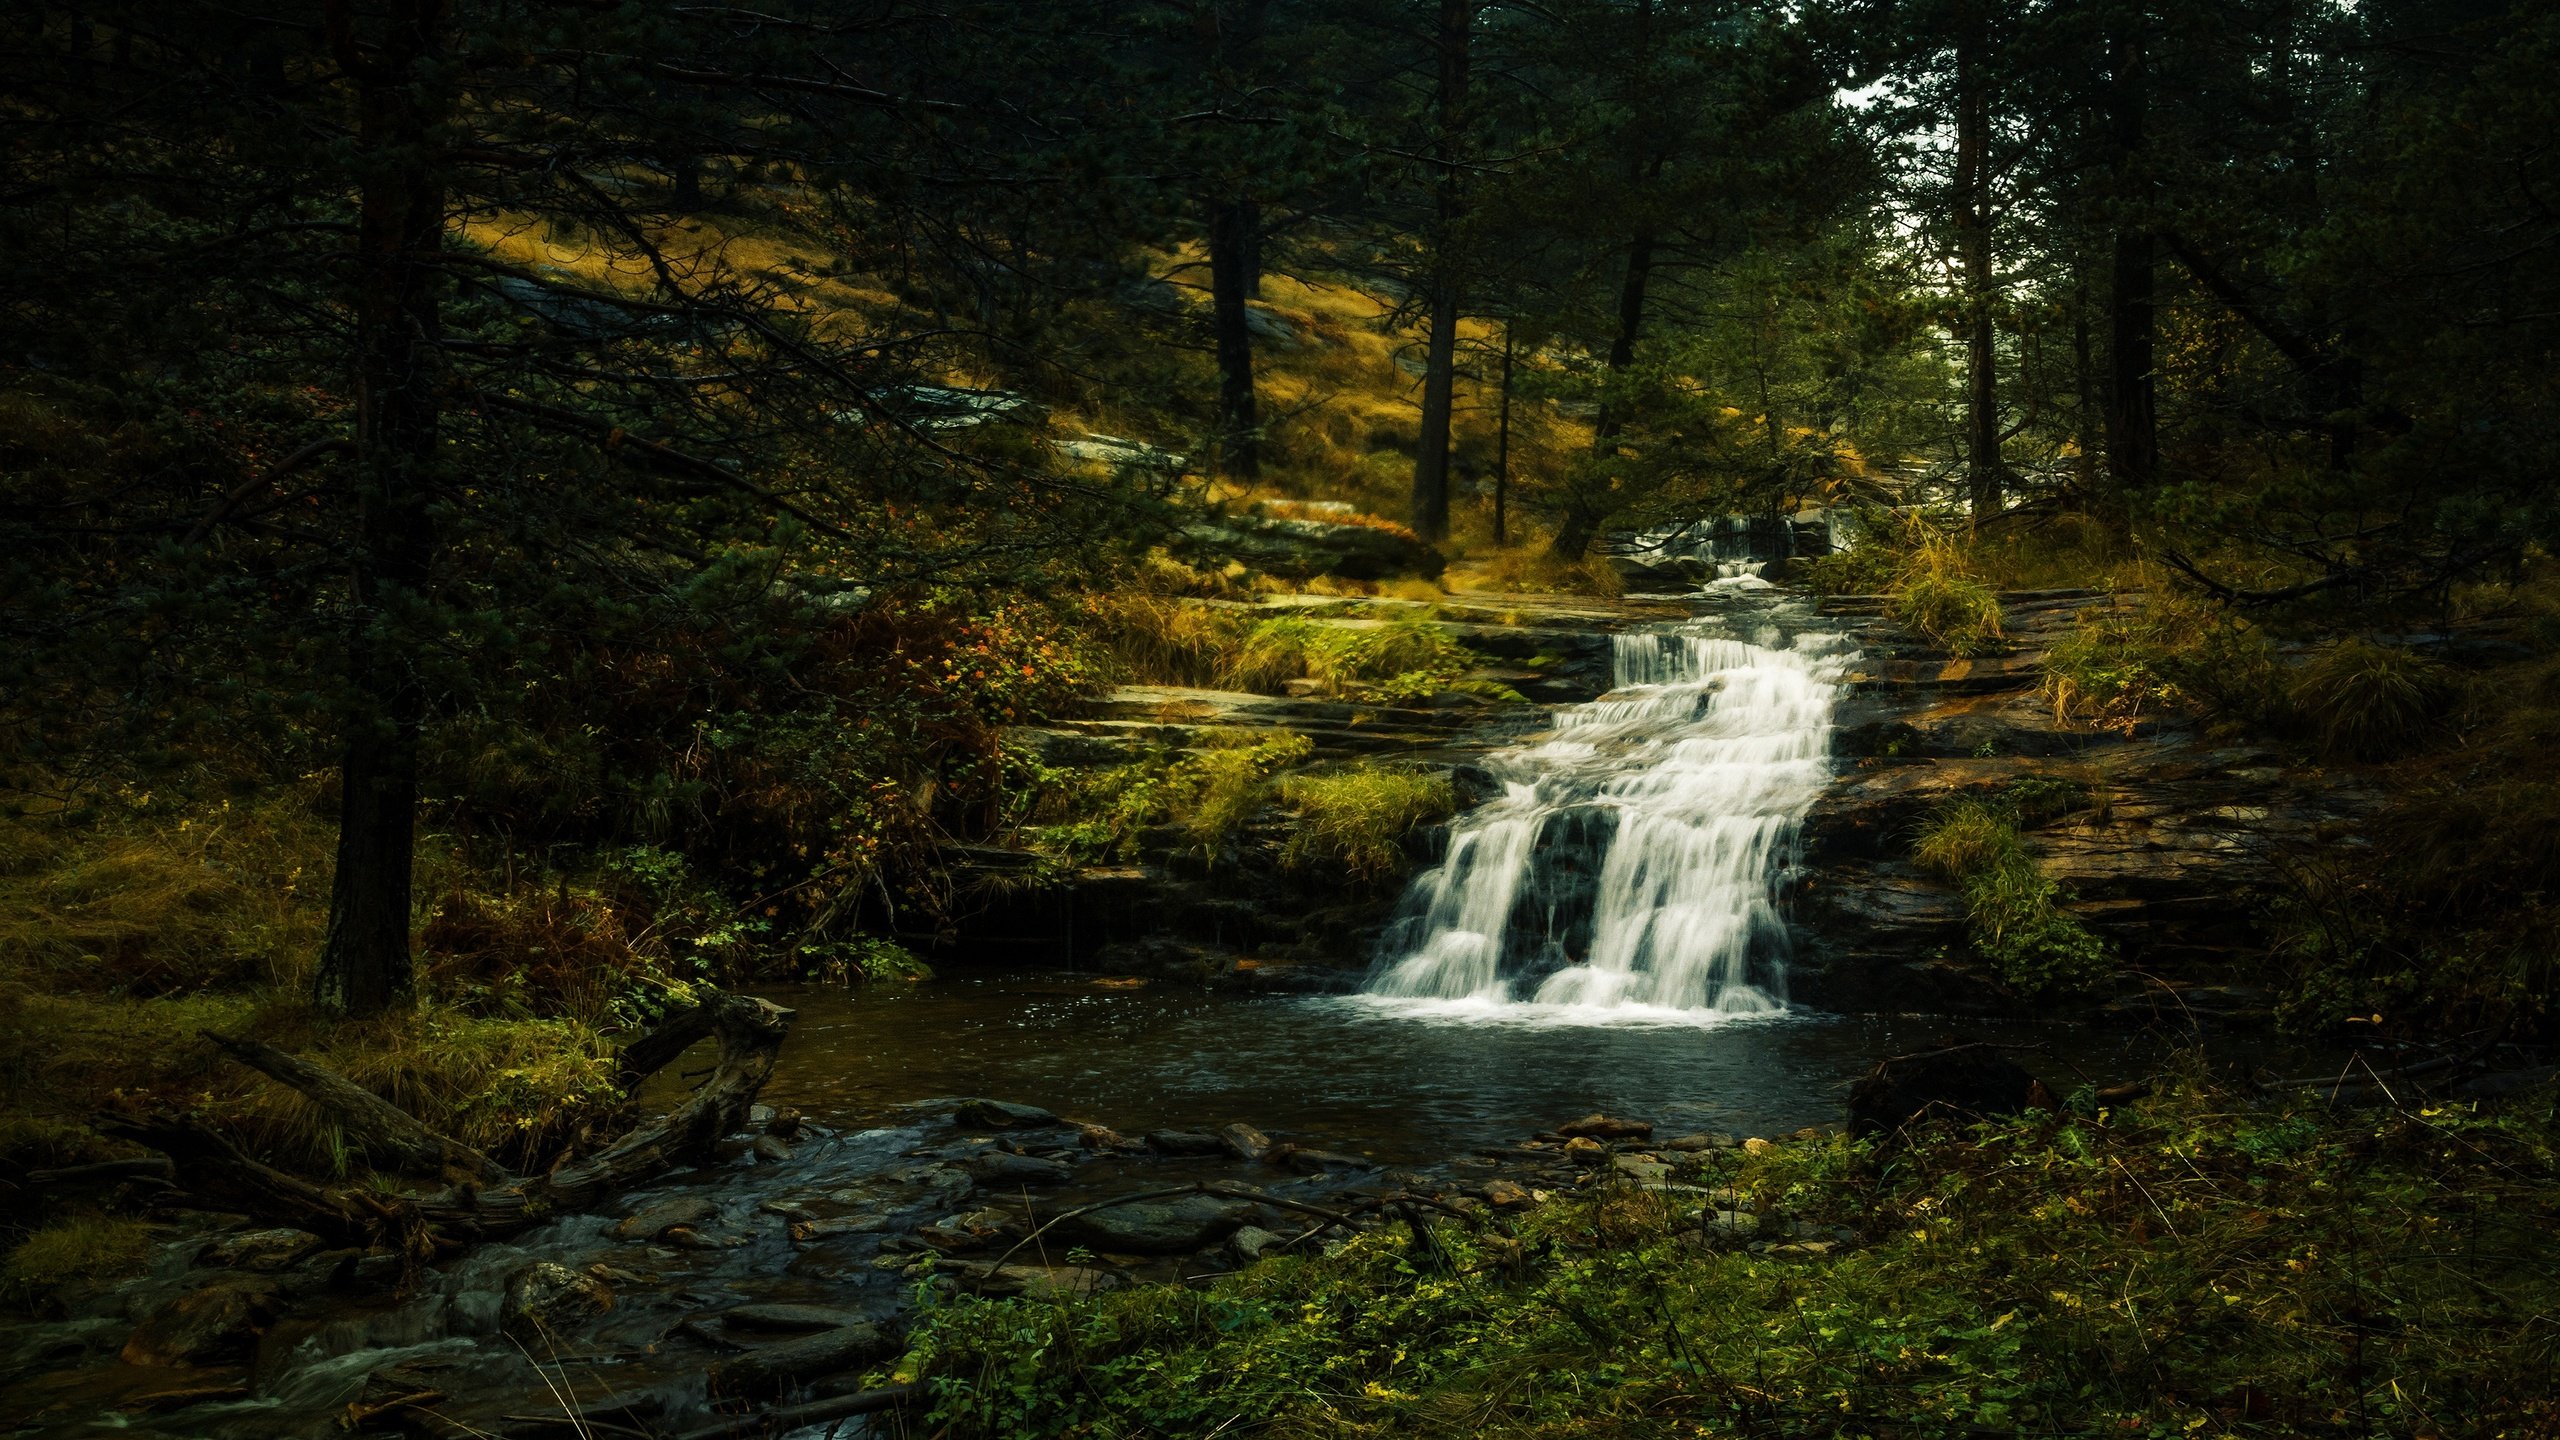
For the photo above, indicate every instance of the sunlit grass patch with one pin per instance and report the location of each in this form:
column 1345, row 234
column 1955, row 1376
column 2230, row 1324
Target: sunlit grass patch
column 1357, row 818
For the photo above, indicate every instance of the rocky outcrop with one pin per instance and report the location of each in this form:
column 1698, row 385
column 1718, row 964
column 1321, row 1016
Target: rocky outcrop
column 2164, row 840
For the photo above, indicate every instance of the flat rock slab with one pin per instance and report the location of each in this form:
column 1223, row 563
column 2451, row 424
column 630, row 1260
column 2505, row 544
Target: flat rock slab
column 787, row 1318
column 770, row 1369
column 1002, row 1115
column 1171, row 1227
column 656, row 1219
column 1002, row 1167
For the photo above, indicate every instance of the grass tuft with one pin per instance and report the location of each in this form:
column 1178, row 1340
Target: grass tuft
column 2011, row 908
column 70, row 1251
column 2365, row 701
column 1356, row 819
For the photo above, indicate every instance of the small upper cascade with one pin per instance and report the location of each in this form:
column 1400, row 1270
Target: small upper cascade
column 1631, row 868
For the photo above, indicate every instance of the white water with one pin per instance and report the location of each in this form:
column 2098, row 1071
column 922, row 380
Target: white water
column 1630, row 871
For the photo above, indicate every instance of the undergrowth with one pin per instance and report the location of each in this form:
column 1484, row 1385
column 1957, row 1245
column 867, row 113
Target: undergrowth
column 2203, row 1265
column 2012, row 911
column 1204, row 796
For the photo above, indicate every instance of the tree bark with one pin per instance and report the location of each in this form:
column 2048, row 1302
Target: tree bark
column 365, row 961
column 1231, row 282
column 1984, row 472
column 2132, row 413
column 1440, row 354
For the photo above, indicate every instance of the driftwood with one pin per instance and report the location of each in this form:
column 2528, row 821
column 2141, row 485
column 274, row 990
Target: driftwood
column 488, row 1201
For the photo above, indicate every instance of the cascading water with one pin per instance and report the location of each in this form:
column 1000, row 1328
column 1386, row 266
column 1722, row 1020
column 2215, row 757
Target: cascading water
column 1631, row 868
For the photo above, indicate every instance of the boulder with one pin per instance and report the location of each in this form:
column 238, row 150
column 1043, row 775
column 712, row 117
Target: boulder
column 265, row 1251
column 1582, row 1150
column 1963, row 1083
column 1692, row 1144
column 1001, row 1115
column 1243, row 1141
column 218, row 1323
column 1606, row 1127
column 771, row 1149
column 1729, row 1224
column 1316, row 1162
column 660, row 1216
column 1171, row 1227
column 1505, row 1194
column 1642, row 1169
column 544, row 1299
column 771, row 1369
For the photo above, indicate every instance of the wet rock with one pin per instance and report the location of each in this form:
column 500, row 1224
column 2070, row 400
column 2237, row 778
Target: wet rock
column 654, row 1220
column 785, row 1124
column 1505, row 1195
column 1185, row 1143
column 809, row 1231
column 1251, row 1243
column 1693, row 1144
column 1003, row 1168
column 782, row 1317
column 975, row 1230
column 1170, row 1227
column 771, row 1149
column 1048, row 1282
column 1583, row 1150
column 1961, row 1083
column 1729, row 1224
column 214, row 1324
column 263, row 1251
column 1757, row 1146
column 1001, row 1115
column 544, row 1298
column 1316, row 1162
column 1643, row 1169
column 1803, row 1248
column 770, row 1369
column 1102, row 1139
column 1606, row 1127
column 1243, row 1141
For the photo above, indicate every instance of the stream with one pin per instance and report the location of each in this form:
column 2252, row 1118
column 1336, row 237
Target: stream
column 1604, row 935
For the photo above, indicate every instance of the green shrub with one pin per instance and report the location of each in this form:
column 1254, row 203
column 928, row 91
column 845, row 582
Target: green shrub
column 862, row 958
column 1408, row 658
column 2011, row 911
column 1357, row 819
column 2363, row 701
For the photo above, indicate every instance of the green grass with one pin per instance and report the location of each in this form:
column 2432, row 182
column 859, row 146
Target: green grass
column 1207, row 795
column 2203, row 1264
column 1354, row 821
column 70, row 1251
column 2012, row 914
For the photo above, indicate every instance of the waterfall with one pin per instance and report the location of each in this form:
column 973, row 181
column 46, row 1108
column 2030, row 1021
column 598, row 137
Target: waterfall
column 1631, row 868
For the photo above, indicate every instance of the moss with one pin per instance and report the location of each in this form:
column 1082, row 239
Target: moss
column 1355, row 820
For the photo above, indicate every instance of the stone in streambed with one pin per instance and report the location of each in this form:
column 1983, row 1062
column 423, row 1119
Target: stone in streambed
column 1185, row 1143
column 1582, row 1150
column 1643, row 1169
column 784, row 1317
column 545, row 1298
column 1606, row 1127
column 1692, row 1144
column 1243, row 1141
column 1002, row 1167
column 653, row 1220
column 1505, row 1195
column 211, row 1325
column 1316, row 1162
column 1729, row 1224
column 1048, row 1282
column 771, row 1149
column 1170, row 1227
column 1001, row 1115
column 265, row 1251
column 770, row 1369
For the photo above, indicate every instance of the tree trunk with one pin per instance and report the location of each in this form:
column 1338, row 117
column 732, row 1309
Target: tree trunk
column 2132, row 416
column 1440, row 356
column 1984, row 472
column 1622, row 345
column 365, row 961
column 1231, row 227
column 1502, row 447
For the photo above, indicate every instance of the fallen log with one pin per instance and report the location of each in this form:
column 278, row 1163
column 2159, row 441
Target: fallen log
column 216, row 1173
column 370, row 1123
